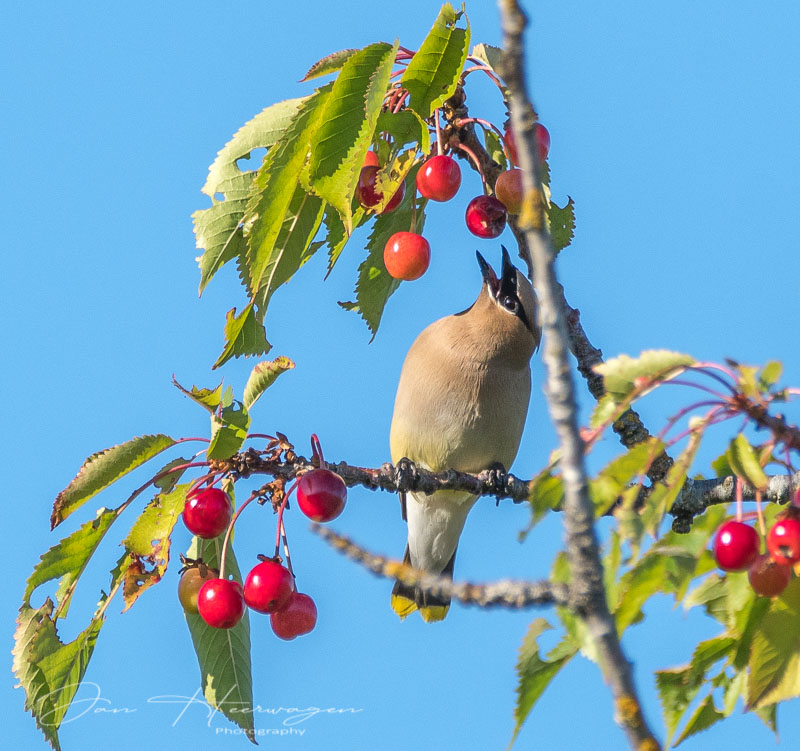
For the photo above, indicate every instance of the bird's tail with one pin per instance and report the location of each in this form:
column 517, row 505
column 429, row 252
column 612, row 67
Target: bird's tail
column 406, row 599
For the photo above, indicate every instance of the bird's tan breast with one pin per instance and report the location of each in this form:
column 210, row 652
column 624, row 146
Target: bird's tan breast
column 454, row 407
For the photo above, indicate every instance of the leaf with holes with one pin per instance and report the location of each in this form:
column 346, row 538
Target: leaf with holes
column 104, row 468
column 562, row 224
column 228, row 431
column 147, row 545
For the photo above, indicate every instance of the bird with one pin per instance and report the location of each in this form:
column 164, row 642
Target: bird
column 461, row 403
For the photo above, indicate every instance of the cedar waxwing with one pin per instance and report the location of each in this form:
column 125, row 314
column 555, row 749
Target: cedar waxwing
column 461, row 404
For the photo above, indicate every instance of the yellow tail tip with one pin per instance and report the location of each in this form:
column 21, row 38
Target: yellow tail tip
column 434, row 614
column 403, row 606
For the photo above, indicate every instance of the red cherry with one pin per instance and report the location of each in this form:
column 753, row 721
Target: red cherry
column 542, row 136
column 767, row 577
column 486, row 216
column 268, row 587
column 207, row 513
column 220, row 603
column 297, row 618
column 407, row 256
column 439, row 178
column 783, row 541
column 321, row 494
column 189, row 585
column 367, row 192
column 735, row 546
column 371, row 159
column 508, row 190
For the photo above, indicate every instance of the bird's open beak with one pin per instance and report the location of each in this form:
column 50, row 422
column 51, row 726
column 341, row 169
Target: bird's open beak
column 508, row 278
column 489, row 277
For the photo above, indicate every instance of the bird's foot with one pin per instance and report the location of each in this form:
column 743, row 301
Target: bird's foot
column 495, row 477
column 405, row 473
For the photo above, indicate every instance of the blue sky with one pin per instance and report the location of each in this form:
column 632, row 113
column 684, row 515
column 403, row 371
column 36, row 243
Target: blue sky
column 673, row 128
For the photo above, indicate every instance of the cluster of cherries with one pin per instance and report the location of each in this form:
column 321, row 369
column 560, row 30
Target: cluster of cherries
column 269, row 586
column 737, row 547
column 408, row 254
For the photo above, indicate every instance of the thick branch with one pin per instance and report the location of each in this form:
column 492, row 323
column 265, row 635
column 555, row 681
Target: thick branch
column 587, row 592
column 505, row 593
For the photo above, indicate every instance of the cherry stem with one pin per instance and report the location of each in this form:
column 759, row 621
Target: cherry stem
column 286, row 550
column 280, row 518
column 692, row 384
column 760, row 515
column 400, row 101
column 489, row 72
column 471, row 154
column 708, row 369
column 228, row 532
column 316, row 448
column 682, row 413
column 194, row 438
column 413, row 215
column 738, row 499
column 265, row 436
column 438, row 133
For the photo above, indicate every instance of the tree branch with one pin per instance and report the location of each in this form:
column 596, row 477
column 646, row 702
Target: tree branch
column 506, row 593
column 587, row 592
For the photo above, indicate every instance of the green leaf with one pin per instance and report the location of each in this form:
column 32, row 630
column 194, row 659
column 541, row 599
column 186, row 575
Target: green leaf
column 546, row 493
column 405, row 127
column 676, row 691
column 607, row 487
column 336, row 236
column 171, row 479
column 48, row 670
column 534, row 672
column 218, row 229
column 329, row 64
column 637, row 586
column 657, row 365
column 341, row 141
column 228, row 431
column 262, row 376
column 274, row 192
column 562, row 224
column 733, row 692
column 489, row 55
column 721, row 466
column 744, row 462
column 769, row 716
column 208, row 398
column 68, row 558
column 494, row 147
column 292, row 248
column 775, row 653
column 244, row 336
column 702, row 719
column 223, row 654
column 375, row 286
column 104, row 468
column 770, row 374
column 432, row 74
column 147, row 545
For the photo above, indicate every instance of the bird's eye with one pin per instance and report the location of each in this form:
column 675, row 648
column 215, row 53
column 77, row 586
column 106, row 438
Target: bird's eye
column 509, row 303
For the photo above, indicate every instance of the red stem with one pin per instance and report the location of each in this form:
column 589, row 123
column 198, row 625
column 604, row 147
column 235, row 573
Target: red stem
column 471, row 154
column 280, row 518
column 228, row 531
column 489, row 72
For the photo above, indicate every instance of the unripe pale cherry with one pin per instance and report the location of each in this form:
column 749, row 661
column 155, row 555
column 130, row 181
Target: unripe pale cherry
column 768, row 577
column 509, row 191
column 540, row 133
